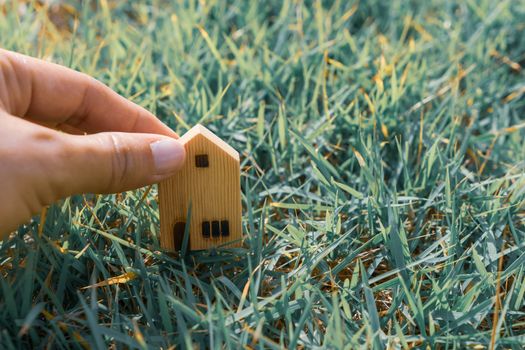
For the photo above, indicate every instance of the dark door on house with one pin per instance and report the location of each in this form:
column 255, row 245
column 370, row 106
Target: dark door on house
column 178, row 234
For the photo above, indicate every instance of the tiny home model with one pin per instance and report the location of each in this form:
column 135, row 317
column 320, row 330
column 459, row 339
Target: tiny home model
column 210, row 181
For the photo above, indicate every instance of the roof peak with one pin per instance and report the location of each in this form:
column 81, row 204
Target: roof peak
column 200, row 129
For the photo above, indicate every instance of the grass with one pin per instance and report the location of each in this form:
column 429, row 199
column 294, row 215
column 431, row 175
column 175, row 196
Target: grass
column 383, row 178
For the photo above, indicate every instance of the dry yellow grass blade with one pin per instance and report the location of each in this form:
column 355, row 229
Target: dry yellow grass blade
column 212, row 47
column 359, row 157
column 515, row 66
column 43, row 215
column 124, row 278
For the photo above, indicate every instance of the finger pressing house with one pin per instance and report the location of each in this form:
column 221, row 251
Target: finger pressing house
column 209, row 181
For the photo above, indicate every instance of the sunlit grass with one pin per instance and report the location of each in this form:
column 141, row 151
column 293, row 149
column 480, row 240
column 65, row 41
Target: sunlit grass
column 383, row 178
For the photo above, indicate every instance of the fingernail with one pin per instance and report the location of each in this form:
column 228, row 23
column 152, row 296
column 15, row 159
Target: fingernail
column 168, row 156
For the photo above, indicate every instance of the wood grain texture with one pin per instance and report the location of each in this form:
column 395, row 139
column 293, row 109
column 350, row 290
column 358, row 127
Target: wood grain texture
column 214, row 192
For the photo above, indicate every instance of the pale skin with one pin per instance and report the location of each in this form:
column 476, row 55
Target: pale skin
column 63, row 133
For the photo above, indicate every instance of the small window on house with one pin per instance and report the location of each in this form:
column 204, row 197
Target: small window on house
column 201, row 161
column 206, row 229
column 215, row 229
column 178, row 234
column 225, row 228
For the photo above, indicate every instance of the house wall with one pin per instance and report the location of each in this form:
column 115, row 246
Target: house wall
column 215, row 194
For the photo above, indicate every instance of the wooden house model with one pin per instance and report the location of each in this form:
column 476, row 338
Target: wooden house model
column 209, row 181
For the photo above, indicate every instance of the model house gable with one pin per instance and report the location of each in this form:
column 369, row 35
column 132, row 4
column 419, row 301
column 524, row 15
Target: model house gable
column 200, row 131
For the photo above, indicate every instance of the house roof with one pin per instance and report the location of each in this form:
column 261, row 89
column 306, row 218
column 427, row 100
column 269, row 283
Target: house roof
column 201, row 130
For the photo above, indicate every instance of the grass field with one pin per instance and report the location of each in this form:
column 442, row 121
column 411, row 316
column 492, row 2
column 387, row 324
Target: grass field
column 383, row 156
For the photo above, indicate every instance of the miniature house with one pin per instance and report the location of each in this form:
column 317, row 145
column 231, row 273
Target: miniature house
column 209, row 181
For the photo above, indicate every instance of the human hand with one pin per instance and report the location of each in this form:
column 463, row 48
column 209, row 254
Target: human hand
column 63, row 133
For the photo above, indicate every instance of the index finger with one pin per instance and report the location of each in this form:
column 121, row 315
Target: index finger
column 53, row 94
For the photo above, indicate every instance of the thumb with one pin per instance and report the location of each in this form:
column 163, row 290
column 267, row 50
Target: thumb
column 115, row 162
